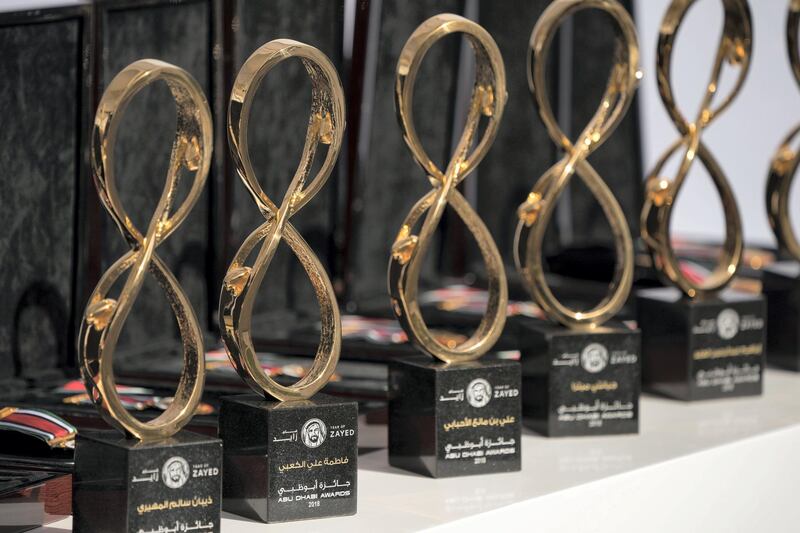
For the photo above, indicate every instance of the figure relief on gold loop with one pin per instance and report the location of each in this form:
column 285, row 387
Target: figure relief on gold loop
column 105, row 314
column 537, row 210
column 732, row 60
column 783, row 167
column 417, row 231
column 250, row 264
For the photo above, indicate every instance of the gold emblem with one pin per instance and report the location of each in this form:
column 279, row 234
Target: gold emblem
column 408, row 251
column 537, row 210
column 246, row 273
column 105, row 315
column 733, row 60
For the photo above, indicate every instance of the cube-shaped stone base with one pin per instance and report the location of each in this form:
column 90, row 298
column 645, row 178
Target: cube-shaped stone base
column 454, row 419
column 702, row 349
column 128, row 485
column 287, row 461
column 781, row 288
column 578, row 383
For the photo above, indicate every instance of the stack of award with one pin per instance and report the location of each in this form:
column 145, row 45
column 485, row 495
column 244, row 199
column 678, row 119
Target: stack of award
column 155, row 476
column 699, row 342
column 294, row 458
column 457, row 415
column 579, row 377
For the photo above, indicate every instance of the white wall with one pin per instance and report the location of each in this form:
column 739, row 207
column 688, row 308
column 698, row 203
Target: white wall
column 745, row 136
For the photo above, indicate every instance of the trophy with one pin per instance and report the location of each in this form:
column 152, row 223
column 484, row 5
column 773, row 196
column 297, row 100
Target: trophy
column 781, row 280
column 580, row 377
column 293, row 458
column 152, row 475
column 452, row 415
column 699, row 342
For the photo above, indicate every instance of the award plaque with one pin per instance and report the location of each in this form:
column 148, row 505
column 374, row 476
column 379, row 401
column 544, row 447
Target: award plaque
column 153, row 476
column 580, row 377
column 699, row 342
column 453, row 415
column 293, row 458
column 781, row 280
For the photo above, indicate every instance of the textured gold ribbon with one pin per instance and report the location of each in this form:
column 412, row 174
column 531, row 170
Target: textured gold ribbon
column 537, row 210
column 105, row 316
column 733, row 53
column 409, row 248
column 326, row 126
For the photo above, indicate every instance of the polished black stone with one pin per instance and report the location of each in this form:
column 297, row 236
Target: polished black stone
column 289, row 461
column 128, row 485
column 580, row 382
column 454, row 420
column 781, row 288
column 702, row 349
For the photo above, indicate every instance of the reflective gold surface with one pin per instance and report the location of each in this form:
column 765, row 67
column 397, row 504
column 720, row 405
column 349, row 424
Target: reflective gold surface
column 105, row 315
column 732, row 60
column 408, row 251
column 783, row 168
column 537, row 210
column 245, row 274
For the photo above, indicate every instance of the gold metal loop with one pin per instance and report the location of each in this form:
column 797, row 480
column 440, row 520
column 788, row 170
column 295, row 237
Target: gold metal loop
column 408, row 251
column 242, row 281
column 733, row 54
column 783, row 168
column 105, row 316
column 537, row 210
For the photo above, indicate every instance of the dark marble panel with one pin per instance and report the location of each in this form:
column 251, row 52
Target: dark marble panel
column 388, row 180
column 39, row 156
column 178, row 33
column 618, row 160
column 278, row 124
column 523, row 150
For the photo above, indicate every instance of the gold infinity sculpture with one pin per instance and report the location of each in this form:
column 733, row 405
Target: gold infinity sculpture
column 537, row 210
column 784, row 164
column 408, row 251
column 326, row 126
column 733, row 52
column 105, row 316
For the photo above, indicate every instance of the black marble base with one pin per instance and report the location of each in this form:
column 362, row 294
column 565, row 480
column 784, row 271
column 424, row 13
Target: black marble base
column 702, row 349
column 781, row 288
column 128, row 485
column 288, row 461
column 580, row 383
column 454, row 420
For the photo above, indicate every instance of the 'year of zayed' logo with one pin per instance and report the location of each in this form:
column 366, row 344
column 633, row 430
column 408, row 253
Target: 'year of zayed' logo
column 727, row 324
column 479, row 392
column 313, row 432
column 594, row 357
column 175, row 472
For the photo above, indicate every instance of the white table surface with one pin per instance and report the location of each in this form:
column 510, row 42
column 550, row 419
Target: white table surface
column 716, row 466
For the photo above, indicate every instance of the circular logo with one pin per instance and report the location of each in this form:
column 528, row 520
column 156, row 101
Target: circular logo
column 313, row 432
column 727, row 324
column 594, row 357
column 175, row 472
column 479, row 392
